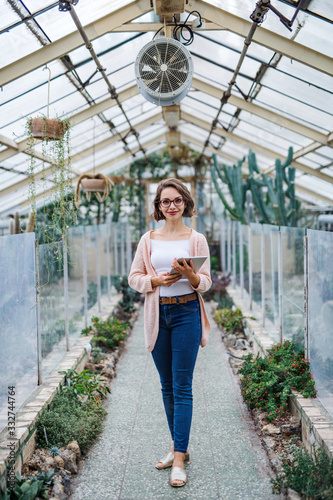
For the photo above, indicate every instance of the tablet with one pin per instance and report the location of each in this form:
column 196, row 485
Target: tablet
column 197, row 263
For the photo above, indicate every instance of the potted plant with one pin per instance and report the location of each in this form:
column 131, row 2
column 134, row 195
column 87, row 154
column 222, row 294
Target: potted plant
column 47, row 129
column 96, row 184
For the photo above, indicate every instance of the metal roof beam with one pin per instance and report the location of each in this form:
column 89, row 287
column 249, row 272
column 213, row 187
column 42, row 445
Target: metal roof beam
column 277, row 43
column 266, row 114
column 256, row 147
column 72, row 41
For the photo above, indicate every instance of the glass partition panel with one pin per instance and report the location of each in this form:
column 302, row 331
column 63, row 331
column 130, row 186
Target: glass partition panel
column 320, row 313
column 104, row 256
column 271, row 281
column 51, row 306
column 292, row 263
column 75, row 282
column 237, row 251
column 18, row 332
column 245, row 230
column 91, row 252
column 256, row 267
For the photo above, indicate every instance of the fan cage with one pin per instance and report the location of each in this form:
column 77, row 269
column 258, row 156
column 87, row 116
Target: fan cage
column 164, row 71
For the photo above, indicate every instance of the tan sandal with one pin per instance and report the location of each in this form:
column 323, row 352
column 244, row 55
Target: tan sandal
column 178, row 474
column 167, row 461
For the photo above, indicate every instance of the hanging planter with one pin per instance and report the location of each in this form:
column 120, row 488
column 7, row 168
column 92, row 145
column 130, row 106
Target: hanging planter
column 96, row 184
column 47, row 129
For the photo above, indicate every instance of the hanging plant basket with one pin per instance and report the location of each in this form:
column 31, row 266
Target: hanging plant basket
column 96, row 184
column 47, row 129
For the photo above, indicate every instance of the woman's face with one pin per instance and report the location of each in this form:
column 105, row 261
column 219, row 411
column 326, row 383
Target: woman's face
column 175, row 210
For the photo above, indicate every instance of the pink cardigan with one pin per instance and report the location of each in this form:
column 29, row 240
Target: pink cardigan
column 139, row 279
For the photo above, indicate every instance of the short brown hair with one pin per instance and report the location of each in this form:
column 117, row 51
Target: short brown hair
column 190, row 209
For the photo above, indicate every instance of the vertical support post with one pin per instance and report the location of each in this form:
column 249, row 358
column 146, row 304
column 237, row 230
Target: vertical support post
column 108, row 272
column 85, row 277
column 263, row 294
column 280, row 285
column 229, row 245
column 38, row 298
column 241, row 257
column 115, row 248
column 64, row 249
column 234, row 252
column 306, row 297
column 98, row 269
column 128, row 247
column 250, row 266
column 122, row 249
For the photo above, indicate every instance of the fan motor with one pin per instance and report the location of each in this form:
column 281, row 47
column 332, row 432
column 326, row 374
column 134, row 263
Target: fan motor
column 164, row 70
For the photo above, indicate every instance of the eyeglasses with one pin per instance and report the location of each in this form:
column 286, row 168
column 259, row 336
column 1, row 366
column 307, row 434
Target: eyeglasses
column 165, row 203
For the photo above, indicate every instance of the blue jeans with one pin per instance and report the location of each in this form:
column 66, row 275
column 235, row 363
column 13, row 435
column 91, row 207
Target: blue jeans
column 174, row 355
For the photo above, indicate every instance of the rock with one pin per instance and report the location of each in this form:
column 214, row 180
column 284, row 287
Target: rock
column 108, row 372
column 59, row 461
column 69, row 458
column 59, row 491
column 289, row 429
column 231, row 339
column 275, row 463
column 270, row 444
column 271, row 429
column 293, row 495
column 49, row 461
column 242, row 344
column 74, row 446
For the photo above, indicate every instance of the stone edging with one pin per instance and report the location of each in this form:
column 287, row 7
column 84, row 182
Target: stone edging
column 16, row 450
column 316, row 423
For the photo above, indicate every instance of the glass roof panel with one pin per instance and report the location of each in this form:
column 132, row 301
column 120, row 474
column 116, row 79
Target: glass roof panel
column 17, row 43
column 8, row 16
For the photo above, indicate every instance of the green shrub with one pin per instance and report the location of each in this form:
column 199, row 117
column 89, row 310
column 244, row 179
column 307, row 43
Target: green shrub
column 67, row 419
column 109, row 333
column 97, row 354
column 311, row 479
column 230, row 320
column 267, row 381
column 85, row 384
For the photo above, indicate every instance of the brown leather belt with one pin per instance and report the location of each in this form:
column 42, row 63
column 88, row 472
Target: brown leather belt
column 181, row 299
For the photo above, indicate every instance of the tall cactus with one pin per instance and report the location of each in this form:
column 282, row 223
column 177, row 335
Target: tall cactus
column 271, row 205
column 232, row 176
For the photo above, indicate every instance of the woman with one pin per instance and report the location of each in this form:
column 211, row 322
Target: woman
column 176, row 322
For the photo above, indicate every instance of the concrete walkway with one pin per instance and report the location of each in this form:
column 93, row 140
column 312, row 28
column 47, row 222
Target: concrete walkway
column 227, row 461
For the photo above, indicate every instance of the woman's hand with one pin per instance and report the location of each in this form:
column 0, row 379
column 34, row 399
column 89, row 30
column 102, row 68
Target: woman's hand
column 186, row 270
column 165, row 279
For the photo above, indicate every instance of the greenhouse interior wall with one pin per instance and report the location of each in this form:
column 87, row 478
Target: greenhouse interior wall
column 55, row 303
column 285, row 276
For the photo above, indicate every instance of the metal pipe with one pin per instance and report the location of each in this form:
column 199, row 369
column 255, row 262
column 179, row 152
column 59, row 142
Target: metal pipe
column 227, row 93
column 100, row 68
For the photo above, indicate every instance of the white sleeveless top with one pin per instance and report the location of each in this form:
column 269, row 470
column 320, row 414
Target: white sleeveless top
column 162, row 254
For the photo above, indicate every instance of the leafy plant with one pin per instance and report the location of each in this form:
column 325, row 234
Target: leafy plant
column 54, row 450
column 267, row 381
column 109, row 333
column 231, row 320
column 67, row 419
column 312, row 479
column 85, row 384
column 97, row 354
column 30, row 488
